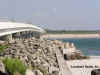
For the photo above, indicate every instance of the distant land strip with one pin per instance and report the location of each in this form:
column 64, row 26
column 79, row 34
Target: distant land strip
column 73, row 32
column 71, row 36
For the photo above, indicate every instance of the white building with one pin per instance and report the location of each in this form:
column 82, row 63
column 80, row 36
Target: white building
column 18, row 30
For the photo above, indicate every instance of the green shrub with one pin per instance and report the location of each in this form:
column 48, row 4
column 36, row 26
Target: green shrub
column 14, row 65
column 2, row 48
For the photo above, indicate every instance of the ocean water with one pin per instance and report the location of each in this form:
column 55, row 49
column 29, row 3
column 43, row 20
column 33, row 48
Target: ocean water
column 89, row 46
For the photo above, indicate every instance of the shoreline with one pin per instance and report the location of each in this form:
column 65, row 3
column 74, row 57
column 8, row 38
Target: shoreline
column 59, row 36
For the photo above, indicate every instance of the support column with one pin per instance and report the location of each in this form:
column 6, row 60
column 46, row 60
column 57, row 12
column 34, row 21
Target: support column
column 26, row 34
column 9, row 38
column 13, row 37
column 30, row 34
column 18, row 35
column 22, row 35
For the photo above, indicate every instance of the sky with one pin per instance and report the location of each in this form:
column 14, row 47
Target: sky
column 54, row 14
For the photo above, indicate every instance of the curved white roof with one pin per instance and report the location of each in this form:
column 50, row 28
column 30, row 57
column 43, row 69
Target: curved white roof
column 13, row 27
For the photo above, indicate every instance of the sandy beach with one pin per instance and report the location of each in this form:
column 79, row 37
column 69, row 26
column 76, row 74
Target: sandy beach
column 83, row 67
column 71, row 36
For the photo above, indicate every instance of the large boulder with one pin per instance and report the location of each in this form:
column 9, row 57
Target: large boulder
column 38, row 72
column 2, row 67
column 29, row 72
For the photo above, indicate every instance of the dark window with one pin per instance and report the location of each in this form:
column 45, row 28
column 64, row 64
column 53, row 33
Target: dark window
column 65, row 57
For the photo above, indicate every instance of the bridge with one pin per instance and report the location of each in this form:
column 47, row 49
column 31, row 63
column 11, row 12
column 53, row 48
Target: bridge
column 10, row 30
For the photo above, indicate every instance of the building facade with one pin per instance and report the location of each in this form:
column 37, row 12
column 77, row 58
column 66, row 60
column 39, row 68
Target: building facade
column 13, row 30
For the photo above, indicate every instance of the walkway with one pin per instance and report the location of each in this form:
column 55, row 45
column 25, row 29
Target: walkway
column 62, row 64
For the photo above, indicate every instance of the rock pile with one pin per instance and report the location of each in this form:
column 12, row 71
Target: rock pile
column 35, row 53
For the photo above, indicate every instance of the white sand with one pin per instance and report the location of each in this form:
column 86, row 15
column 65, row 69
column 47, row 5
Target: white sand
column 84, row 65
